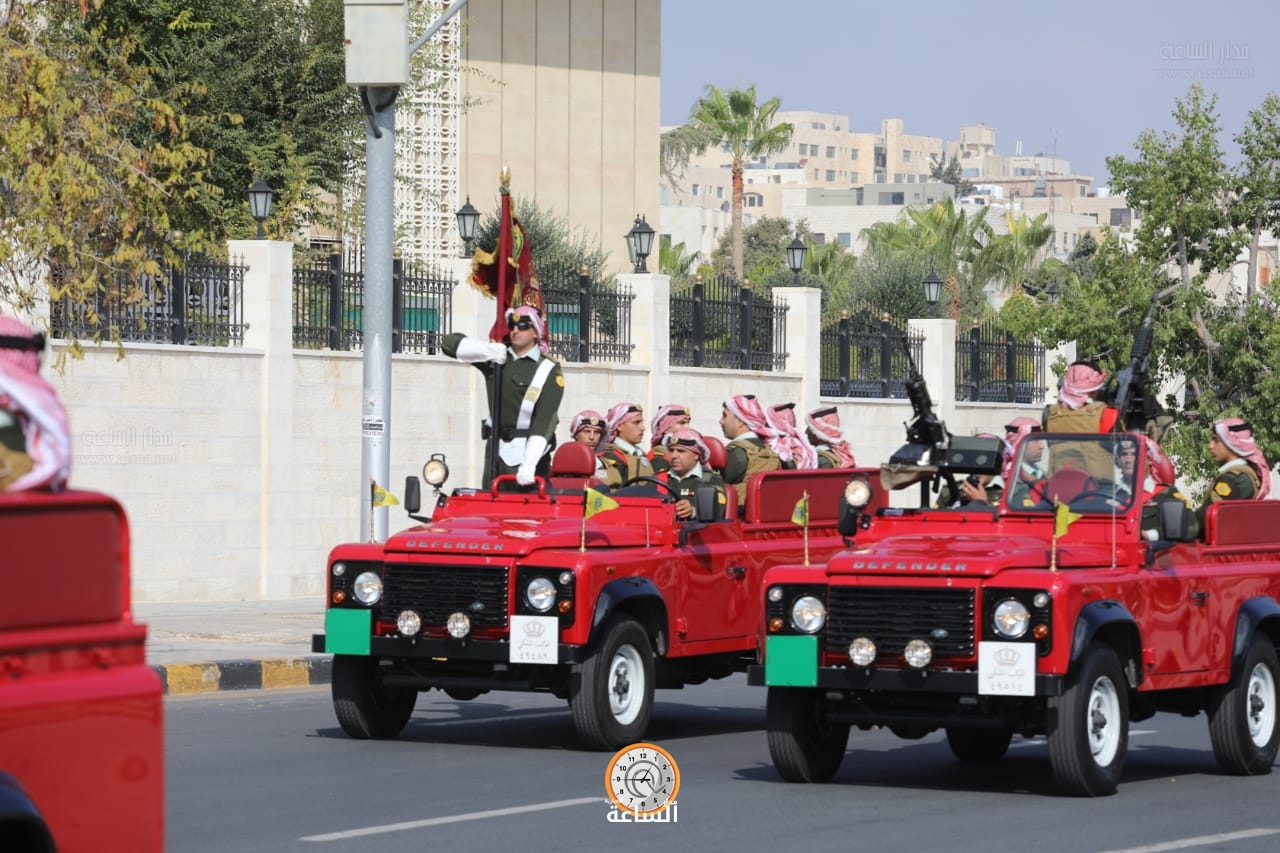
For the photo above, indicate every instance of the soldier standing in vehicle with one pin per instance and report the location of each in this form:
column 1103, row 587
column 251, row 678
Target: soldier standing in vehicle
column 532, row 388
column 743, row 423
column 687, row 452
column 35, row 440
column 1243, row 471
column 670, row 416
column 1077, row 409
column 621, row 455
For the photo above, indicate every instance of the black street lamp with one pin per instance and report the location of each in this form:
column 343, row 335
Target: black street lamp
column 795, row 257
column 932, row 290
column 260, row 198
column 468, row 220
column 641, row 239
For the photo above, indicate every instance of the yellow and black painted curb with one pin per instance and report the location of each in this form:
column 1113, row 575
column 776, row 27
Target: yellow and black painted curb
column 180, row 678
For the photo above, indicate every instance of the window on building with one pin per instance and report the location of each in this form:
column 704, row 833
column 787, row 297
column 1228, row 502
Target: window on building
column 853, row 154
column 719, row 192
column 906, row 156
column 820, row 239
column 844, row 238
column 1121, row 217
column 831, row 151
column 694, row 190
column 853, row 177
column 831, row 174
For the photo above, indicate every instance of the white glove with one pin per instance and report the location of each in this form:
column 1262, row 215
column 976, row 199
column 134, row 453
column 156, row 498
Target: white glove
column 534, row 447
column 472, row 350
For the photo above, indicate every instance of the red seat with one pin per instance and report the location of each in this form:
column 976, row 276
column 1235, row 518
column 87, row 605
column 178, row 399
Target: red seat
column 719, row 456
column 573, row 466
column 1067, row 484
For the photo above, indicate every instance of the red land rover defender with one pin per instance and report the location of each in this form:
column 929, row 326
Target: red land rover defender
column 1070, row 610
column 81, row 734
column 507, row 591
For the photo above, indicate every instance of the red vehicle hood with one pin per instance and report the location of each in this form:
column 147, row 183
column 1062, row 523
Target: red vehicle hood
column 970, row 556
column 515, row 536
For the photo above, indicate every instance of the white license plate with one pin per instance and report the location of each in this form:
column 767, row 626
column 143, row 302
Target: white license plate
column 1006, row 669
column 535, row 639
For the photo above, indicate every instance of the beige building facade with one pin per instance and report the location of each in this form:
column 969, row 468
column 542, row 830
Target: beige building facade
column 566, row 94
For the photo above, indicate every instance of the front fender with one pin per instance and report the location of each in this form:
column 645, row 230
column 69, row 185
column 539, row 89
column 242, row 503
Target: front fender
column 636, row 595
column 1108, row 617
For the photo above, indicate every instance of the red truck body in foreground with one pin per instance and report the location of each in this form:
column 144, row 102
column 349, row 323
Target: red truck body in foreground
column 81, row 713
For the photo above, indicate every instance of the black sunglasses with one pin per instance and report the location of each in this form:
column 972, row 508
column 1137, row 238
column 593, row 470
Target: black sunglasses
column 520, row 324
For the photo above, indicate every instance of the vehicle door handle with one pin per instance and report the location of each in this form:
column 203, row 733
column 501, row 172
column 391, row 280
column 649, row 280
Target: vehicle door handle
column 1200, row 597
column 737, row 572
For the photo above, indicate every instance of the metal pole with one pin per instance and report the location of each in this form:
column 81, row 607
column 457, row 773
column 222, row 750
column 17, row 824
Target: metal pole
column 380, row 169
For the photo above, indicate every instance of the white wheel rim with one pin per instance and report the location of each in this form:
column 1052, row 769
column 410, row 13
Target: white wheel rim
column 1102, row 722
column 626, row 685
column 1260, row 705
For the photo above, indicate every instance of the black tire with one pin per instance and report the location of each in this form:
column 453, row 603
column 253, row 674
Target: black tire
column 804, row 746
column 1089, row 726
column 1242, row 715
column 612, row 699
column 979, row 746
column 365, row 707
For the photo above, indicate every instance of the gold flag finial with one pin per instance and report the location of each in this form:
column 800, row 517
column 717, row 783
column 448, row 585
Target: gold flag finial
column 504, row 177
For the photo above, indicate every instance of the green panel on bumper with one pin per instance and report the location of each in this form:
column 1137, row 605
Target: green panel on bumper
column 346, row 632
column 791, row 661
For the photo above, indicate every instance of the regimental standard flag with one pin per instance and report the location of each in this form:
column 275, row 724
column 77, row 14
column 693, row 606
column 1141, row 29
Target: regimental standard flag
column 1062, row 519
column 381, row 497
column 800, row 515
column 507, row 273
column 598, row 502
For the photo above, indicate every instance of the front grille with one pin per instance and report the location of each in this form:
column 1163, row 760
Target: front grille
column 893, row 616
column 436, row 591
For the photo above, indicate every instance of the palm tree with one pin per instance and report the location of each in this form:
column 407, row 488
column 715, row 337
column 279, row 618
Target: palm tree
column 676, row 261
column 747, row 130
column 1011, row 258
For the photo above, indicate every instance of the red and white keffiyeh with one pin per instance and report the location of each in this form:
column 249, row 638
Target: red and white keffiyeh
column 35, row 407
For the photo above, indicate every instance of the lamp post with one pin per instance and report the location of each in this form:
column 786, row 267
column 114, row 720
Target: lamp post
column 641, row 239
column 796, row 253
column 260, row 198
column 932, row 290
column 468, row 219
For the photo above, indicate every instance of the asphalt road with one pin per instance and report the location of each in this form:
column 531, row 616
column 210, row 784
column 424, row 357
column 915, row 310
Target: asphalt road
column 269, row 770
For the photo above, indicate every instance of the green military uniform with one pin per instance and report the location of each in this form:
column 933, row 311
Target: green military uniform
column 623, row 462
column 827, row 457
column 1236, row 481
column 747, row 454
column 658, row 459
column 517, row 376
column 684, row 486
column 14, row 461
column 1028, row 491
column 1151, row 515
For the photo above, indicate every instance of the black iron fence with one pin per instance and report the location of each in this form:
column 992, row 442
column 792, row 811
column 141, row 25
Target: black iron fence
column 862, row 356
column 727, row 325
column 586, row 320
column 992, row 367
column 199, row 303
column 328, row 304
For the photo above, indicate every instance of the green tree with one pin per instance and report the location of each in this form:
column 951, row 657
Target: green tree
column 1181, row 185
column 949, row 172
column 273, row 73
column 1257, row 207
column 86, row 204
column 677, row 262
column 553, row 244
column 747, row 130
column 1012, row 257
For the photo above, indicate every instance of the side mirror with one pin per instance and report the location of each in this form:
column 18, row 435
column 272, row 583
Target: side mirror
column 412, row 495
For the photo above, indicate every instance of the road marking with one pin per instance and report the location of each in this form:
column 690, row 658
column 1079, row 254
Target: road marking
column 457, row 818
column 1200, row 841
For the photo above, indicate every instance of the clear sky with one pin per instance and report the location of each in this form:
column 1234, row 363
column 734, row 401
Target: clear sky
column 1083, row 74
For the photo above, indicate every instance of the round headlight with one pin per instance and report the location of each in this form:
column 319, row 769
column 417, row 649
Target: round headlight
column 339, row 569
column 862, row 652
column 775, row 593
column 1041, row 600
column 1011, row 618
column 541, row 594
column 808, row 614
column 918, row 653
column 408, row 623
column 566, row 578
column 458, row 625
column 857, row 493
column 435, row 472
column 368, row 587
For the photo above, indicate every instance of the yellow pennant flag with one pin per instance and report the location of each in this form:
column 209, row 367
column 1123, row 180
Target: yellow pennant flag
column 598, row 502
column 381, row 497
column 800, row 515
column 1063, row 517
